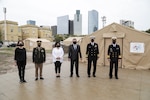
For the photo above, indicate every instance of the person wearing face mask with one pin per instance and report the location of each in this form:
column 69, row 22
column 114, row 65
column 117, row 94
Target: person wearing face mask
column 57, row 54
column 39, row 57
column 92, row 52
column 73, row 55
column 113, row 57
column 20, row 60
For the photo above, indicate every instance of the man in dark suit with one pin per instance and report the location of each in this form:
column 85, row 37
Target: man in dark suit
column 92, row 52
column 113, row 56
column 39, row 57
column 73, row 55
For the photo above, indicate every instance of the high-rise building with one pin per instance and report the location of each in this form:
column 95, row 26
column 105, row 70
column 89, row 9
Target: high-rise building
column 31, row 22
column 77, row 23
column 71, row 28
column 127, row 23
column 63, row 25
column 92, row 21
column 54, row 30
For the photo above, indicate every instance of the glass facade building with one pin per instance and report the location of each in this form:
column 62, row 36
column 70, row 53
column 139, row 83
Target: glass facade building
column 31, row 22
column 63, row 25
column 92, row 21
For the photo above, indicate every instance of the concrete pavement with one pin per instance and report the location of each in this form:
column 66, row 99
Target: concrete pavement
column 132, row 85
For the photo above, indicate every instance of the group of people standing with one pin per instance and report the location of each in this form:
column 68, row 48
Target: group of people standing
column 74, row 53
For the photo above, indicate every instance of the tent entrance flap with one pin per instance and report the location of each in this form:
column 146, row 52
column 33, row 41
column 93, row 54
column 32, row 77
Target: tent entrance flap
column 107, row 42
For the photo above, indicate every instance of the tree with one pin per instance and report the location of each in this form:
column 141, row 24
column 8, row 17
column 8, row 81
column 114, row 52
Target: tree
column 58, row 38
column 148, row 31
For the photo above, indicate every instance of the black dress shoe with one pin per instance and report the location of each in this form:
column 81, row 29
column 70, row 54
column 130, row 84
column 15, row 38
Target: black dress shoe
column 71, row 75
column 94, row 75
column 24, row 81
column 78, row 76
column 41, row 78
column 36, row 79
column 89, row 76
column 110, row 77
column 117, row 78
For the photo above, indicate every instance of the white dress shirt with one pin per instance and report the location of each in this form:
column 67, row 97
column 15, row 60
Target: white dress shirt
column 75, row 46
column 114, row 45
column 57, row 52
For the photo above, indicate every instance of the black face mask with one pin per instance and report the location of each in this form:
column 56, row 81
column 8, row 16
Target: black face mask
column 92, row 40
column 58, row 46
column 39, row 45
column 74, row 42
column 20, row 45
column 114, row 41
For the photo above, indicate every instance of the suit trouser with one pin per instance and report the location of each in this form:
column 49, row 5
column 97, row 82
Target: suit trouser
column 21, row 69
column 90, row 60
column 112, row 63
column 38, row 66
column 76, row 62
column 57, row 66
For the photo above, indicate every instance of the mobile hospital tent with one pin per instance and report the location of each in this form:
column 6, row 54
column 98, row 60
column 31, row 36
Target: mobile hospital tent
column 31, row 43
column 135, row 46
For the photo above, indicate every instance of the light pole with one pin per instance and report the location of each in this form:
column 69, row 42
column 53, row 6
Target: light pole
column 103, row 20
column 5, row 26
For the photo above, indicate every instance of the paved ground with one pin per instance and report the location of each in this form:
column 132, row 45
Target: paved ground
column 132, row 85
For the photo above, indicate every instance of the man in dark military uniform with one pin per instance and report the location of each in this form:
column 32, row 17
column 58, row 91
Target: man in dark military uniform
column 92, row 52
column 114, row 56
column 39, row 57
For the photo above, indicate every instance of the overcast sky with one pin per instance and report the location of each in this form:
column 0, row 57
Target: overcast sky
column 45, row 12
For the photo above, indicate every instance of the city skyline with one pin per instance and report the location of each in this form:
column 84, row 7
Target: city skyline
column 45, row 12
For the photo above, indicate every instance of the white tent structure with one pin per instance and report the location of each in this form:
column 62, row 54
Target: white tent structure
column 30, row 43
column 134, row 44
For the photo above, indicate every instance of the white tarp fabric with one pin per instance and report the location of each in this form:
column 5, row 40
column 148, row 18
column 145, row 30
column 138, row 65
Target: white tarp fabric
column 30, row 43
column 125, row 38
column 68, row 41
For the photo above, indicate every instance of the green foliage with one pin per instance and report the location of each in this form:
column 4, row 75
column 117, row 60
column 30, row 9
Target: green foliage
column 148, row 31
column 58, row 38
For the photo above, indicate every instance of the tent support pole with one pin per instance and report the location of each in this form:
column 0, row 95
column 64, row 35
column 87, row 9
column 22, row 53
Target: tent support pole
column 122, row 54
column 104, row 51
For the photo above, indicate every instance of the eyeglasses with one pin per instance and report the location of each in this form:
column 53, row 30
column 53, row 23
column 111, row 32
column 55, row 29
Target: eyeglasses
column 39, row 41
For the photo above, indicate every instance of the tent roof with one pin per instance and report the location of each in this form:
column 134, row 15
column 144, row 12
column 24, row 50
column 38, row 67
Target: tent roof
column 71, row 38
column 113, row 28
column 35, row 39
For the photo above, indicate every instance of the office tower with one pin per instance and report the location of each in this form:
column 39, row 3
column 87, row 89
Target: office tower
column 127, row 23
column 54, row 30
column 63, row 25
column 77, row 23
column 92, row 21
column 31, row 22
column 71, row 27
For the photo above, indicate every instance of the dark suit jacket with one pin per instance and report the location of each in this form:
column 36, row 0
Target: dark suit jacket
column 39, row 56
column 74, row 54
